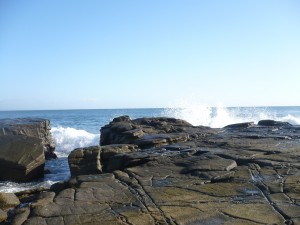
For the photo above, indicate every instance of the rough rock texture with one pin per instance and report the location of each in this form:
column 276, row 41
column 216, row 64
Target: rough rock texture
column 85, row 161
column 24, row 146
column 21, row 158
column 180, row 174
column 39, row 128
column 3, row 216
column 146, row 132
column 8, row 200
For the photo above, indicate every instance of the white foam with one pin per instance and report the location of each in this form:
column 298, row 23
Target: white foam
column 13, row 187
column 291, row 119
column 202, row 114
column 67, row 139
column 194, row 114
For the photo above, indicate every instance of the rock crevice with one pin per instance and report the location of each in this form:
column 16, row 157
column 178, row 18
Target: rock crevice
column 166, row 171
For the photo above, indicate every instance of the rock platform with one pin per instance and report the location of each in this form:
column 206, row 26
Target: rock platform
column 166, row 171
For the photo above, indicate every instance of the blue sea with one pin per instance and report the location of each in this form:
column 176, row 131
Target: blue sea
column 80, row 128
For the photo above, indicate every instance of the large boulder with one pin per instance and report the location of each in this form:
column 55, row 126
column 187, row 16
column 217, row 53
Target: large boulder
column 144, row 132
column 21, row 158
column 85, row 161
column 273, row 123
column 8, row 200
column 38, row 128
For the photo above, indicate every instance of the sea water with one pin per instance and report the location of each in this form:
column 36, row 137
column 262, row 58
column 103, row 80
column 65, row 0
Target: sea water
column 81, row 128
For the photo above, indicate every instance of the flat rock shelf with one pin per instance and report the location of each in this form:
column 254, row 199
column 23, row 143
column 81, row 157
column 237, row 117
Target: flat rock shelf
column 166, row 171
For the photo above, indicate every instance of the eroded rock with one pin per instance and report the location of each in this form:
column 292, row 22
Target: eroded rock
column 21, row 158
column 38, row 128
column 85, row 161
column 8, row 200
column 165, row 171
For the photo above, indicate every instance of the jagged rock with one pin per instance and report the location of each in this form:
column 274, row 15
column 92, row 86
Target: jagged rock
column 165, row 171
column 8, row 200
column 39, row 128
column 21, row 158
column 85, row 161
column 144, row 132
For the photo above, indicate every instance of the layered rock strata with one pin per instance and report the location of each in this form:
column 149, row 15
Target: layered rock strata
column 24, row 145
column 166, row 171
column 38, row 128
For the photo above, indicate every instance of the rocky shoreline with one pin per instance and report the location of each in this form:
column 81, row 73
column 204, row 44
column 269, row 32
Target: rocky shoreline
column 166, row 171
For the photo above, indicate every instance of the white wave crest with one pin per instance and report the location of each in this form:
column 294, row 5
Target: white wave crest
column 194, row 114
column 67, row 139
column 291, row 119
column 13, row 187
column 201, row 114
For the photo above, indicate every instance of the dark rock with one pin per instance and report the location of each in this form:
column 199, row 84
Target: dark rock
column 39, row 128
column 274, row 123
column 109, row 151
column 85, row 161
column 59, row 186
column 144, row 132
column 21, row 158
column 43, row 198
column 122, row 161
column 122, row 119
column 165, row 171
column 20, row 215
column 24, row 145
column 240, row 125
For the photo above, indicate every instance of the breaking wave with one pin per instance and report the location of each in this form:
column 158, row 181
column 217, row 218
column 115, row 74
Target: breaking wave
column 67, row 139
column 216, row 117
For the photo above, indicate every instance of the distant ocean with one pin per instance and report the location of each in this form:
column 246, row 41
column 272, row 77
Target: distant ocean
column 78, row 128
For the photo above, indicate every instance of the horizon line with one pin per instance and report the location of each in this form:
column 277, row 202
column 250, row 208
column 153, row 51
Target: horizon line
column 132, row 108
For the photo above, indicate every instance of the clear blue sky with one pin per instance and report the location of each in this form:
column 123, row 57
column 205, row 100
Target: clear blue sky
column 67, row 54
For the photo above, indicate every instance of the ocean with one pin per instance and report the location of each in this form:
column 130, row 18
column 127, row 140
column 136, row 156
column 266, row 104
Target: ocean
column 80, row 128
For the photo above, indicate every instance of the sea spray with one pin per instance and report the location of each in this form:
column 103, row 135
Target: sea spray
column 216, row 117
column 194, row 114
column 203, row 115
column 291, row 119
column 67, row 139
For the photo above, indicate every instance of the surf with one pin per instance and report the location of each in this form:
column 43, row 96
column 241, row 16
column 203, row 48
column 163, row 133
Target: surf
column 220, row 116
column 67, row 139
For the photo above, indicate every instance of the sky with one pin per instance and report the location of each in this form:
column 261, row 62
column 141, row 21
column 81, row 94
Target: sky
column 94, row 54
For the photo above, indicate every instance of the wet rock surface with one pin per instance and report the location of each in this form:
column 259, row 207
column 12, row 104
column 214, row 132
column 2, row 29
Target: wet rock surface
column 166, row 171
